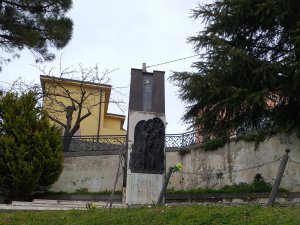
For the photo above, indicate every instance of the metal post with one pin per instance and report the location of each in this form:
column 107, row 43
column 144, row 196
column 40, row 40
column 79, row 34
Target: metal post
column 278, row 177
column 164, row 187
column 92, row 144
column 144, row 67
column 99, row 119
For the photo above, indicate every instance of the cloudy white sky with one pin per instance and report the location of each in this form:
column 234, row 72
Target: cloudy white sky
column 124, row 34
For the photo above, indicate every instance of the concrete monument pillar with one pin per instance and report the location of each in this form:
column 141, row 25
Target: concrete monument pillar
column 146, row 137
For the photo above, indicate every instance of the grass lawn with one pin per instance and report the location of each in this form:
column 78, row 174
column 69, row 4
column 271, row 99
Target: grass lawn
column 196, row 214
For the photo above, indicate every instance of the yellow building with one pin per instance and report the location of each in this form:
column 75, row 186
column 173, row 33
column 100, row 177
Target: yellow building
column 84, row 100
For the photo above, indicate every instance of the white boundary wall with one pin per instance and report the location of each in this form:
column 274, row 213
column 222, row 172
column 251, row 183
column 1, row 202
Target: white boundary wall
column 92, row 173
column 227, row 165
column 237, row 162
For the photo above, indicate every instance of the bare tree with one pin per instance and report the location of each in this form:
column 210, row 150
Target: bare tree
column 72, row 96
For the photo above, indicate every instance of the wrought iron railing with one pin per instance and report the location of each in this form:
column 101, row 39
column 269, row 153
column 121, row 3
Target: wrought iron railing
column 182, row 140
column 97, row 143
column 116, row 142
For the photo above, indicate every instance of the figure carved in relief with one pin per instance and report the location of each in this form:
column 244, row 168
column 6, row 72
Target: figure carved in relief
column 147, row 155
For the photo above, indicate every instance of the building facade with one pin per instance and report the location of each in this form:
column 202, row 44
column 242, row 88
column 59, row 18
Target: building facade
column 86, row 101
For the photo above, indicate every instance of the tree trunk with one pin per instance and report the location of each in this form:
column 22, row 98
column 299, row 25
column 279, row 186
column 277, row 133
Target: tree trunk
column 67, row 137
column 66, row 142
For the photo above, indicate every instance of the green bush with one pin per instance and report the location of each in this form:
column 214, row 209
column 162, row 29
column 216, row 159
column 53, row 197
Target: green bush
column 258, row 185
column 215, row 143
column 30, row 148
column 258, row 136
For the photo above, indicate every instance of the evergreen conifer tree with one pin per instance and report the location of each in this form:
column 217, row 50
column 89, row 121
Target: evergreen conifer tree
column 35, row 25
column 30, row 148
column 249, row 67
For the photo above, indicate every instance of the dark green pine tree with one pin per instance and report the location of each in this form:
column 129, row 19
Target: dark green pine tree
column 30, row 148
column 35, row 25
column 249, row 67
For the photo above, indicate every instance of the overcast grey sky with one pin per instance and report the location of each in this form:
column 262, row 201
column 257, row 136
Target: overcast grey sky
column 124, row 34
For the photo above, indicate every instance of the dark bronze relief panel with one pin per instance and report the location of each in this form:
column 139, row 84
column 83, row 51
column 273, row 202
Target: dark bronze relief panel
column 147, row 155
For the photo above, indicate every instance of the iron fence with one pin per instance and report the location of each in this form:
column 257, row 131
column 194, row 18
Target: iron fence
column 115, row 142
column 182, row 140
column 97, row 143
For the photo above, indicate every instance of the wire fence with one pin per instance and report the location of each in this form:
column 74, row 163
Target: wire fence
column 293, row 161
column 239, row 170
column 231, row 171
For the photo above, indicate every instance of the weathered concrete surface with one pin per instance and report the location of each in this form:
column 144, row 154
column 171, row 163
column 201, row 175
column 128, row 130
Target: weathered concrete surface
column 234, row 163
column 40, row 205
column 84, row 197
column 237, row 162
column 92, row 173
column 141, row 188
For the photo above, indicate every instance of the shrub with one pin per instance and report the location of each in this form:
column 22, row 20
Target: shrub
column 258, row 185
column 30, row 148
column 215, row 143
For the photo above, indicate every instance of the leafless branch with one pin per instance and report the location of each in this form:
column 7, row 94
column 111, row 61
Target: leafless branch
column 57, row 121
column 68, row 106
